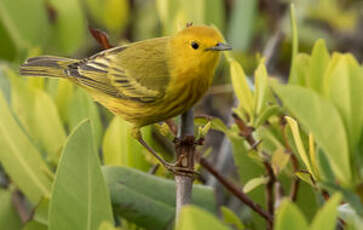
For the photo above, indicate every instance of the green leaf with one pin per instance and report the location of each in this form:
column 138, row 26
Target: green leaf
column 21, row 160
column 254, row 183
column 288, row 216
column 194, row 218
column 326, row 217
column 107, row 226
column 266, row 113
column 120, row 148
column 318, row 65
column 9, row 217
column 79, row 184
column 8, row 49
column 25, row 21
column 39, row 115
column 63, row 95
column 299, row 143
column 34, row 225
column 151, row 198
column 242, row 24
column 261, row 88
column 306, row 177
column 295, row 43
column 216, row 124
column 230, row 218
column 279, row 160
column 83, row 107
column 345, row 84
column 323, row 120
column 191, row 11
column 241, row 88
column 299, row 74
column 68, row 31
column 215, row 13
column 168, row 11
column 112, row 14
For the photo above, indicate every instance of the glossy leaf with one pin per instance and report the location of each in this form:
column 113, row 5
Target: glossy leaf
column 241, row 88
column 266, row 113
column 79, row 184
column 279, row 160
column 323, row 120
column 261, row 88
column 299, row 74
column 39, row 115
column 83, row 107
column 295, row 43
column 299, row 143
column 230, row 218
column 120, row 148
column 216, row 124
column 152, row 198
column 345, row 90
column 254, row 183
column 9, row 217
column 318, row 65
column 194, row 218
column 288, row 216
column 326, row 217
column 21, row 160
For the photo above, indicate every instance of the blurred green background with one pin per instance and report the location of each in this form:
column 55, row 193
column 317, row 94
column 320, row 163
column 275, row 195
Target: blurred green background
column 45, row 111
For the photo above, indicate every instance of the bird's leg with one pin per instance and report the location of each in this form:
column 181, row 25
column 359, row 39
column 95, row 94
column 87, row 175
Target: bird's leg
column 172, row 167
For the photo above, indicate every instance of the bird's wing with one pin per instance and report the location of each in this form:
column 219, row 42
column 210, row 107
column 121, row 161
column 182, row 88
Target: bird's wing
column 138, row 71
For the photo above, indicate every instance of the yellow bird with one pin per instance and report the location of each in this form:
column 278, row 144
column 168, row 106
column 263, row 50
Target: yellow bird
column 143, row 82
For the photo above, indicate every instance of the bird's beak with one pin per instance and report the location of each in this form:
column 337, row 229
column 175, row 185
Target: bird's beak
column 220, row 47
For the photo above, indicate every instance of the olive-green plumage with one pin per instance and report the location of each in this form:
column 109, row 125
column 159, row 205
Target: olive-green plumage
column 146, row 81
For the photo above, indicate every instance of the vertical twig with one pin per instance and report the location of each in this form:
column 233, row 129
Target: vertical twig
column 185, row 150
column 246, row 132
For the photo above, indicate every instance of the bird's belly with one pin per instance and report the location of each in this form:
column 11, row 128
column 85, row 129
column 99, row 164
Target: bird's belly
column 179, row 100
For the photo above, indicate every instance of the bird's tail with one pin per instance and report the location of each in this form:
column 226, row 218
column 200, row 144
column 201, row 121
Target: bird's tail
column 46, row 66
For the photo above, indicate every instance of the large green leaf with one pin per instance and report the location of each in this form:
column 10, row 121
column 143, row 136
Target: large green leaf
column 25, row 21
column 194, row 218
column 326, row 217
column 147, row 200
column 20, row 158
column 83, row 107
column 120, row 148
column 321, row 118
column 39, row 115
column 68, row 30
column 318, row 64
column 80, row 198
column 345, row 89
column 9, row 218
column 288, row 216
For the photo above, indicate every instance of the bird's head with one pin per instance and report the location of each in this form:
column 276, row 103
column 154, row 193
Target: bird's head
column 198, row 47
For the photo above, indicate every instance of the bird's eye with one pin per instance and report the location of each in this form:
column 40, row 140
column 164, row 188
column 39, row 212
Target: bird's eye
column 195, row 45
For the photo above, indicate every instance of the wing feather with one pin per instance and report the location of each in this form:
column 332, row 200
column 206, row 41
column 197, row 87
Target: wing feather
column 137, row 71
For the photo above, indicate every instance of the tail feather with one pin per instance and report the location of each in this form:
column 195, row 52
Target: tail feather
column 46, row 66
